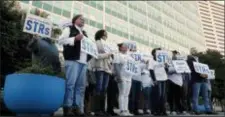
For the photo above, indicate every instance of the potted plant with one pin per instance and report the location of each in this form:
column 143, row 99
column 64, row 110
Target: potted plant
column 34, row 90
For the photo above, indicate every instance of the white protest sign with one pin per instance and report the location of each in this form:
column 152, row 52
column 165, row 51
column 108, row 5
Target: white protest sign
column 181, row 57
column 181, row 66
column 131, row 45
column 89, row 46
column 160, row 72
column 162, row 56
column 211, row 74
column 37, row 25
column 132, row 67
column 136, row 56
column 201, row 68
column 109, row 48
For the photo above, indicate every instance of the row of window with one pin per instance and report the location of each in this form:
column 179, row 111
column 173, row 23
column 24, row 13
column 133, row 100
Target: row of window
column 94, row 4
column 93, row 23
column 117, row 32
column 116, row 14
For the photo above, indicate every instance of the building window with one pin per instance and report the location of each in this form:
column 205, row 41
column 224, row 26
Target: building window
column 47, row 7
column 66, row 13
column 57, row 10
column 25, row 1
column 37, row 4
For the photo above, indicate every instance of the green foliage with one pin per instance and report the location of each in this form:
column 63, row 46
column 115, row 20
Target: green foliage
column 38, row 69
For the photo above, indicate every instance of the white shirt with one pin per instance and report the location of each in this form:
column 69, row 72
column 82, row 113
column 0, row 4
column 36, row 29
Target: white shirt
column 145, row 78
column 120, row 58
column 159, row 70
column 174, row 77
column 65, row 40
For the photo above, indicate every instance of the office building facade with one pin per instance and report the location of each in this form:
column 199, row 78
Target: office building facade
column 212, row 18
column 166, row 24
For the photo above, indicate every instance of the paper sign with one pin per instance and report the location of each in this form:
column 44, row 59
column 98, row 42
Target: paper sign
column 181, row 57
column 201, row 68
column 181, row 66
column 136, row 56
column 89, row 46
column 109, row 48
column 132, row 67
column 162, row 56
column 37, row 25
column 160, row 72
column 211, row 74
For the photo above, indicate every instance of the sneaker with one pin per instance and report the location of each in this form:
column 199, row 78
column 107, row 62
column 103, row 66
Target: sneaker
column 122, row 113
column 173, row 113
column 128, row 113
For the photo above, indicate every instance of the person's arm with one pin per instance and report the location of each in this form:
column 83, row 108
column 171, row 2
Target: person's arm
column 152, row 74
column 101, row 51
column 64, row 38
column 171, row 70
column 33, row 45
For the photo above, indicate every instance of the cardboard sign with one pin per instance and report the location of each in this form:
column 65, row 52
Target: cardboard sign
column 211, row 75
column 160, row 72
column 109, row 48
column 132, row 67
column 181, row 66
column 37, row 25
column 89, row 46
column 162, row 56
column 201, row 68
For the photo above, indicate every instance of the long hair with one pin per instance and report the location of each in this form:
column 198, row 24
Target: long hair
column 154, row 52
column 99, row 34
column 76, row 17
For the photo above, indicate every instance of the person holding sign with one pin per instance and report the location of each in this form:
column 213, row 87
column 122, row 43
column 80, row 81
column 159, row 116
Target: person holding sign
column 75, row 66
column 199, row 84
column 103, row 69
column 158, row 74
column 136, row 83
column 124, row 71
column 175, row 84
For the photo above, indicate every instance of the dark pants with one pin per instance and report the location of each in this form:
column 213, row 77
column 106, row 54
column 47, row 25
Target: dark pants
column 174, row 97
column 158, row 99
column 134, row 96
column 186, row 95
column 112, row 94
column 147, row 98
column 102, row 80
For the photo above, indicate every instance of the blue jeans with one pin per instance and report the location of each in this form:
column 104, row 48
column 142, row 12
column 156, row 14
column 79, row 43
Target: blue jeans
column 102, row 80
column 195, row 96
column 75, row 84
column 147, row 98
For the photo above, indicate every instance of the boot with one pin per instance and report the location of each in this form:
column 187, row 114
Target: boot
column 97, row 106
column 68, row 111
column 77, row 112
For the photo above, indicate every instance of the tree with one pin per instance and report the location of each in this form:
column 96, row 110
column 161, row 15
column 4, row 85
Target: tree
column 14, row 55
column 217, row 62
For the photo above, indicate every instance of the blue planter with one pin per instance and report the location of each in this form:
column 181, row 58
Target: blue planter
column 33, row 93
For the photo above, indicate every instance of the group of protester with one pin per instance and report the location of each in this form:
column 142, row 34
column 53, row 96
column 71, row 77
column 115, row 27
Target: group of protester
column 101, row 84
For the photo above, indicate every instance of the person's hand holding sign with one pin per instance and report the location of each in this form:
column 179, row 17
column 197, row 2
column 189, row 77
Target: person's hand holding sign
column 204, row 75
column 79, row 37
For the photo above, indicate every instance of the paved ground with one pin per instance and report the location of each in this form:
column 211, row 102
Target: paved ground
column 221, row 114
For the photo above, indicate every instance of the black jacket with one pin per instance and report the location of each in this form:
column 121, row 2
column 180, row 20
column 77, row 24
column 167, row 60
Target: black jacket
column 73, row 52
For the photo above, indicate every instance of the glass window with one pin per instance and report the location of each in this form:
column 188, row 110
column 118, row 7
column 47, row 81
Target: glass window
column 86, row 20
column 58, row 4
column 108, row 10
column 66, row 13
column 93, row 3
column 57, row 10
column 99, row 7
column 27, row 1
column 37, row 4
column 99, row 25
column 92, row 23
column 47, row 7
column 108, row 28
column 67, row 5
